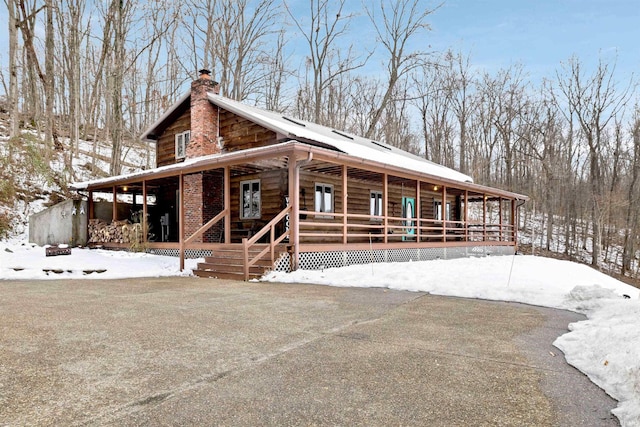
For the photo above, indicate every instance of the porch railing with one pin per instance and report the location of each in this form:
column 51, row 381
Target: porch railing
column 207, row 226
column 358, row 227
column 273, row 241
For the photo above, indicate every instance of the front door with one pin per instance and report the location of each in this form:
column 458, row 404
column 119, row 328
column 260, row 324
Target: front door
column 409, row 213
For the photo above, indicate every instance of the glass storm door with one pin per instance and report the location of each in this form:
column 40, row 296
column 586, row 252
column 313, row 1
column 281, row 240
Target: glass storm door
column 409, row 214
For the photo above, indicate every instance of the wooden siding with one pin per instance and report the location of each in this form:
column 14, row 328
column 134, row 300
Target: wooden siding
column 166, row 144
column 237, row 133
column 358, row 203
column 240, row 134
column 273, row 188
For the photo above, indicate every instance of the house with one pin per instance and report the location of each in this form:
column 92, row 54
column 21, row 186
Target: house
column 251, row 189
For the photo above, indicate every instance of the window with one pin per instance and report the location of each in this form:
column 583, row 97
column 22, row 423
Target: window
column 437, row 210
column 324, row 198
column 182, row 139
column 250, row 199
column 375, row 205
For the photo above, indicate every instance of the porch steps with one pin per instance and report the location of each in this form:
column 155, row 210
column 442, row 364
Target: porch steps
column 227, row 263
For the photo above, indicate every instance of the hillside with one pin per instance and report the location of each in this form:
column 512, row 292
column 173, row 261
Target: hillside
column 33, row 178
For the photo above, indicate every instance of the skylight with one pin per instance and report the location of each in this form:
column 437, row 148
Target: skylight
column 380, row 145
column 294, row 121
column 342, row 134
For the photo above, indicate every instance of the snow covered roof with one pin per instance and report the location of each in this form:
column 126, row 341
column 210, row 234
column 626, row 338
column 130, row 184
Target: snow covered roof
column 342, row 141
column 294, row 133
column 313, row 133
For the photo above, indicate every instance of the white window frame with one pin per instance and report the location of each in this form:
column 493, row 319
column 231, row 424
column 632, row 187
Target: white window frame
column 437, row 210
column 375, row 204
column 320, row 204
column 182, row 139
column 254, row 213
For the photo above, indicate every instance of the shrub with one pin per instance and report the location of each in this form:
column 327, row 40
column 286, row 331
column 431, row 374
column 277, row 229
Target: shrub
column 5, row 224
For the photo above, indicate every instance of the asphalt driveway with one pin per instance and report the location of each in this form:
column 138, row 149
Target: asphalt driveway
column 184, row 351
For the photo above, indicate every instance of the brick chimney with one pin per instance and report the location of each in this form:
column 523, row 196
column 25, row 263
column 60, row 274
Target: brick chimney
column 203, row 191
column 204, row 118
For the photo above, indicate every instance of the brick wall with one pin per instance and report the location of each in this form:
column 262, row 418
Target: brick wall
column 193, row 206
column 213, row 203
column 203, row 200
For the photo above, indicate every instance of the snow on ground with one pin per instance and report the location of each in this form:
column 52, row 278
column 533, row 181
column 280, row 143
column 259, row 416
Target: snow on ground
column 29, row 262
column 606, row 347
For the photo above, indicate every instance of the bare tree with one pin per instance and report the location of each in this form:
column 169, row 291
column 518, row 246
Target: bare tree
column 276, row 69
column 460, row 85
column 72, row 35
column 238, row 39
column 326, row 61
column 435, row 114
column 594, row 102
column 633, row 207
column 398, row 24
column 120, row 10
column 13, row 68
column 26, row 23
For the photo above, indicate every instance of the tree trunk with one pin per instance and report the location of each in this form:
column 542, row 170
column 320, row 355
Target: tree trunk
column 13, row 72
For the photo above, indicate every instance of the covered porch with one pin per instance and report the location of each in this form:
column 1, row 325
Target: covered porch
column 346, row 210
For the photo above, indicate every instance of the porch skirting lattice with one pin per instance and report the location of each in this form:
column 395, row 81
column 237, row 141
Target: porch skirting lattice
column 332, row 259
column 188, row 253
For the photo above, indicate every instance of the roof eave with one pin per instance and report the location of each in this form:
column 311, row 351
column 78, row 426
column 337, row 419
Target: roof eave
column 150, row 132
column 237, row 157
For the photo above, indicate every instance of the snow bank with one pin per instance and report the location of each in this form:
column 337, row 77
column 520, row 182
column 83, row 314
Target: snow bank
column 28, row 262
column 607, row 346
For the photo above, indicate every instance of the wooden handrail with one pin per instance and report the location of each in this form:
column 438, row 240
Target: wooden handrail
column 432, row 228
column 273, row 241
column 207, row 226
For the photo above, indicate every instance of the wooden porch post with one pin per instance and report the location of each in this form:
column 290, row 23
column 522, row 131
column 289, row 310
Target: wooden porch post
column 181, row 219
column 345, row 195
column 144, row 211
column 514, row 224
column 227, row 204
column 484, row 217
column 418, row 211
column 114, row 205
column 294, row 197
column 385, row 198
column 466, row 215
column 443, row 208
column 500, row 214
column 90, row 207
